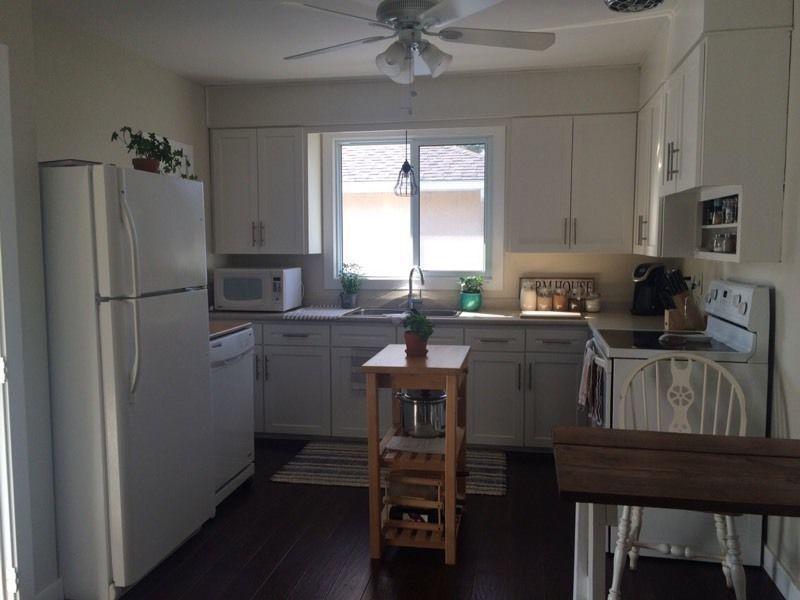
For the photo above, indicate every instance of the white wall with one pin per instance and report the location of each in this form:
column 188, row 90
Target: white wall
column 784, row 533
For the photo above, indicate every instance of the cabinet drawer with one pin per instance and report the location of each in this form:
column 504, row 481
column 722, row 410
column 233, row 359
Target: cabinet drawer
column 442, row 336
column 362, row 336
column 496, row 339
column 556, row 339
column 284, row 334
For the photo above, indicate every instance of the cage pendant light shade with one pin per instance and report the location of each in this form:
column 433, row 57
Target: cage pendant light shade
column 406, row 181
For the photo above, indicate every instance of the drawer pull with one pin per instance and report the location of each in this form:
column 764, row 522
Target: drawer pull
column 495, row 340
column 552, row 341
column 295, row 335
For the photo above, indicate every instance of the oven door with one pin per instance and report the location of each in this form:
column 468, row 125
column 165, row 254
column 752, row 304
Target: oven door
column 243, row 289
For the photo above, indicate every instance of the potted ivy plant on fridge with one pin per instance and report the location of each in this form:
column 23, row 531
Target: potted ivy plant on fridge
column 153, row 154
column 418, row 329
column 471, row 292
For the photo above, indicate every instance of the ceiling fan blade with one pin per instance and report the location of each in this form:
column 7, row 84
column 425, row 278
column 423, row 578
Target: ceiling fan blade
column 522, row 40
column 337, row 12
column 366, row 40
column 450, row 11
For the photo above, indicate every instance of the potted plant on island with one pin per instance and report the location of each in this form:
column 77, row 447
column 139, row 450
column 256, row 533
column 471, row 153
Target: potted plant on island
column 471, row 288
column 154, row 154
column 350, row 280
column 418, row 329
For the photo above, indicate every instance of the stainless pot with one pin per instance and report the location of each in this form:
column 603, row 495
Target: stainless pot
column 423, row 413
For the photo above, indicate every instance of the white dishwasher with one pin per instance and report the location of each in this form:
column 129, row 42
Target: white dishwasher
column 231, row 357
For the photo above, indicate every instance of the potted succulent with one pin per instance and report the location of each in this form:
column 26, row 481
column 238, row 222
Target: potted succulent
column 154, row 154
column 418, row 329
column 350, row 280
column 471, row 288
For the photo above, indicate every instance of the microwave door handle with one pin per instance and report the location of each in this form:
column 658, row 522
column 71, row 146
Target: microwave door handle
column 133, row 241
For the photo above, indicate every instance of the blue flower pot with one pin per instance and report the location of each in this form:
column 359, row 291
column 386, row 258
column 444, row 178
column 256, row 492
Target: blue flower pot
column 470, row 302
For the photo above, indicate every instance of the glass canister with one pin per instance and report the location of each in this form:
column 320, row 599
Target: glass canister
column 719, row 242
column 592, row 303
column 527, row 297
column 544, row 299
column 560, row 299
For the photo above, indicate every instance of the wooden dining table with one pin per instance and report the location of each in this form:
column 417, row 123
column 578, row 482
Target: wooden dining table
column 602, row 468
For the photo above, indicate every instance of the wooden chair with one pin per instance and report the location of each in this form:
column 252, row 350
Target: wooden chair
column 717, row 407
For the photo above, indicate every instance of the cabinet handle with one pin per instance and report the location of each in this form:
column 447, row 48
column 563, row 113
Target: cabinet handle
column 295, row 335
column 252, row 233
column 554, row 341
column 261, row 230
column 673, row 151
column 530, row 376
column 494, row 340
column 266, row 368
column 575, row 230
column 258, row 369
column 669, row 162
column 519, row 376
column 640, row 236
column 566, row 226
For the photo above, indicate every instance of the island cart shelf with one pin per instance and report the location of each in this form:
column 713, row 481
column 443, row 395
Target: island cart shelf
column 443, row 469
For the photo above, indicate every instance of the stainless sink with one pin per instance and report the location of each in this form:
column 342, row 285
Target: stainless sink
column 396, row 312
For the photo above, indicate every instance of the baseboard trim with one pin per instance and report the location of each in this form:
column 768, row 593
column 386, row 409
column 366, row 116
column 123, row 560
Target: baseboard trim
column 783, row 581
column 54, row 591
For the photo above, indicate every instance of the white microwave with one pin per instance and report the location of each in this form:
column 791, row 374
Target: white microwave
column 268, row 290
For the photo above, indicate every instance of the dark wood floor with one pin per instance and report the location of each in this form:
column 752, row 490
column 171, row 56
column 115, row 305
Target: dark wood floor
column 272, row 540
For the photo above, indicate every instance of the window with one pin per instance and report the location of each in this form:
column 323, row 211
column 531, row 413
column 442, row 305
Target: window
column 449, row 227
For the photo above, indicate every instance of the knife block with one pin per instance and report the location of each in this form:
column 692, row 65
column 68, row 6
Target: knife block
column 687, row 317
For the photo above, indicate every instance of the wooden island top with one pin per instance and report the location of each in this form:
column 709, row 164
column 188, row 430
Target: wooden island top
column 441, row 360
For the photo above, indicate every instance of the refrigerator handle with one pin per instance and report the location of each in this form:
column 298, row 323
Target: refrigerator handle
column 133, row 240
column 137, row 351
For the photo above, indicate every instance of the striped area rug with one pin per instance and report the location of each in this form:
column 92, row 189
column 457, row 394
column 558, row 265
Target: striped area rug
column 345, row 464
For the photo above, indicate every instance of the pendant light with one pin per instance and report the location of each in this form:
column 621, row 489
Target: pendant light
column 406, row 179
column 632, row 5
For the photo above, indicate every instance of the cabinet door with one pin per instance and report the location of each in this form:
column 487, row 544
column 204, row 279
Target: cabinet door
column 258, row 390
column 652, row 229
column 297, row 383
column 603, row 178
column 687, row 159
column 551, row 394
column 644, row 134
column 349, row 393
column 673, row 107
column 234, row 173
column 539, row 180
column 280, row 191
column 495, row 398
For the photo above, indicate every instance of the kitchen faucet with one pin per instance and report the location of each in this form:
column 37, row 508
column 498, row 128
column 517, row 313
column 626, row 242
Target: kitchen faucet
column 411, row 302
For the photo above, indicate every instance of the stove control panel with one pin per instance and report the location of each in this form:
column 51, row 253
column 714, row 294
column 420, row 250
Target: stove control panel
column 743, row 304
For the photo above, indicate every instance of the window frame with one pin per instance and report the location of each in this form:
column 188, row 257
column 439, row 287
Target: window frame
column 494, row 187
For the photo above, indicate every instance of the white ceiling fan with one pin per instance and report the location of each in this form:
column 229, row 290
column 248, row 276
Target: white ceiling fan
column 410, row 20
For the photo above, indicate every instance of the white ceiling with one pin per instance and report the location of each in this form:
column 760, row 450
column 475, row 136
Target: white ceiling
column 214, row 41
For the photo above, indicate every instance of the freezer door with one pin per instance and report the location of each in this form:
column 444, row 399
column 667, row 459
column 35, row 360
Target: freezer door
column 158, row 426
column 150, row 232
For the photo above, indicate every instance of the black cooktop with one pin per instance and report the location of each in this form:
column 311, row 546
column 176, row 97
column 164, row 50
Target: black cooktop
column 651, row 340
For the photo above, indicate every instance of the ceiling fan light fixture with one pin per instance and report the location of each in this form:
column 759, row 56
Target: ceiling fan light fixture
column 391, row 61
column 436, row 59
column 406, row 74
column 632, row 5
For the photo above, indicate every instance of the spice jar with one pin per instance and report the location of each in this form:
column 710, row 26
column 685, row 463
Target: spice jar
column 560, row 299
column 592, row 303
column 729, row 243
column 719, row 242
column 544, row 299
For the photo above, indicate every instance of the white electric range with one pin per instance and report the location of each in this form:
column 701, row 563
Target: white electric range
column 738, row 335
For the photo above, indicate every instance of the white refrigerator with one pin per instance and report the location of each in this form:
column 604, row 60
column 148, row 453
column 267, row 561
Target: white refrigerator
column 125, row 264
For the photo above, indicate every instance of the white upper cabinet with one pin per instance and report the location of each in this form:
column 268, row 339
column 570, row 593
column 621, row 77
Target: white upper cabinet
column 539, row 183
column 649, row 166
column 235, row 190
column 571, row 184
column 261, row 200
column 603, row 170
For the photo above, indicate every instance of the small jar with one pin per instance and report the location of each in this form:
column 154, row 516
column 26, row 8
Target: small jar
column 560, row 299
column 719, row 242
column 592, row 303
column 544, row 299
column 527, row 298
column 576, row 301
column 729, row 243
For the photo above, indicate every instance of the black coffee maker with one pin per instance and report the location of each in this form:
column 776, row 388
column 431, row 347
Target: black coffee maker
column 647, row 293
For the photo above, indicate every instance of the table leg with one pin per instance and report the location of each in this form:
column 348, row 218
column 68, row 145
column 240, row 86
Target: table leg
column 374, row 468
column 451, row 420
column 589, row 574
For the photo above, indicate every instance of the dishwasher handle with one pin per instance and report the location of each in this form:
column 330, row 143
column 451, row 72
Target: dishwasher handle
column 232, row 360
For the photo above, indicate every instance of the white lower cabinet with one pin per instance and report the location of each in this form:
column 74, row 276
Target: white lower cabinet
column 349, row 396
column 551, row 394
column 297, row 393
column 495, row 398
column 258, row 390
